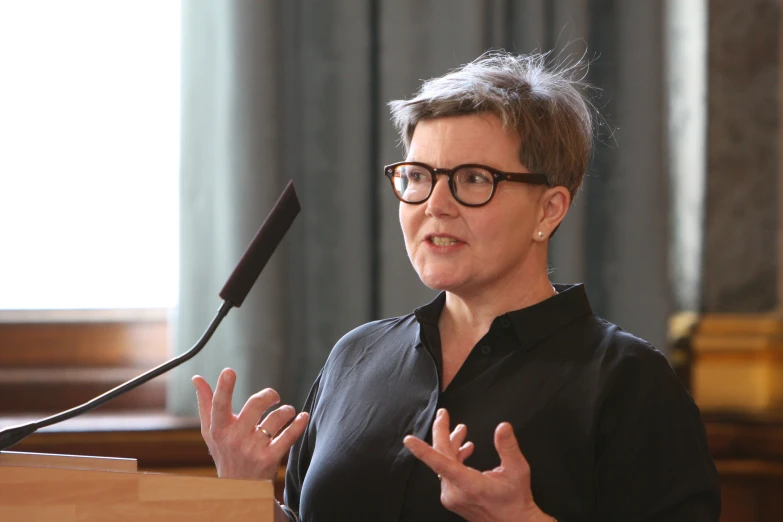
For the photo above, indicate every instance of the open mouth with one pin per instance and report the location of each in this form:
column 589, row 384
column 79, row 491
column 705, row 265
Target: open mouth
column 442, row 241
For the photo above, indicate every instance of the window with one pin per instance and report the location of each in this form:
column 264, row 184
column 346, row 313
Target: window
column 90, row 143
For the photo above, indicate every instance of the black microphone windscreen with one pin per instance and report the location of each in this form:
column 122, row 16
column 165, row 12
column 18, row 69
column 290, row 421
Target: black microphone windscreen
column 261, row 248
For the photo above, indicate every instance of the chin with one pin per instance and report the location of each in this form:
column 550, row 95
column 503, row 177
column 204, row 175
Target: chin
column 440, row 281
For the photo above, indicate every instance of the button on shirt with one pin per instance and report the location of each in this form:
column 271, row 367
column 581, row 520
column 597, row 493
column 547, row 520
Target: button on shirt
column 609, row 431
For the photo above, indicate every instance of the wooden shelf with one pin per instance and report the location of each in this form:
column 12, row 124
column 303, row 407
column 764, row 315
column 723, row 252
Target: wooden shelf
column 155, row 439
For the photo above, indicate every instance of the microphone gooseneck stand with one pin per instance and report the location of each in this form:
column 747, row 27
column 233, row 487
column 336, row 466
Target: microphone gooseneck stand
column 233, row 294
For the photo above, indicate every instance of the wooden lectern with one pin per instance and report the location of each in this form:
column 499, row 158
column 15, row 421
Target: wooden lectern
column 36, row 487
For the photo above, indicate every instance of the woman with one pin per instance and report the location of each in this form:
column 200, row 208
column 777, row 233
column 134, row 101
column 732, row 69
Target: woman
column 569, row 417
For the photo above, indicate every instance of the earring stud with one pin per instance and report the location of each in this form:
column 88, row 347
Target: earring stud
column 540, row 234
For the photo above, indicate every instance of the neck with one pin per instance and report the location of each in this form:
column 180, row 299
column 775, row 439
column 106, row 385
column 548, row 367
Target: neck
column 474, row 309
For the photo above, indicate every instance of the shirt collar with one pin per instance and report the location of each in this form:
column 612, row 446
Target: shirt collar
column 430, row 312
column 532, row 324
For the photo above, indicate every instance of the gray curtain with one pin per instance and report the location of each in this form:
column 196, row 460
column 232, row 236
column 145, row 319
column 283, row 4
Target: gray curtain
column 274, row 91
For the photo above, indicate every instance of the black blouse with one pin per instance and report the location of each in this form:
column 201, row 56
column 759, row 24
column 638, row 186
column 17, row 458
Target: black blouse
column 608, row 429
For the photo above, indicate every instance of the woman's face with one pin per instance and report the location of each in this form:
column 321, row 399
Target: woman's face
column 468, row 249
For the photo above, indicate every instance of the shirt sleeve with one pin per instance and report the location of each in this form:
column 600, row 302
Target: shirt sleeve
column 653, row 461
column 301, row 452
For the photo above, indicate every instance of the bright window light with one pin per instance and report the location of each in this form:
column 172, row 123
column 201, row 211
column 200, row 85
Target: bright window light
column 89, row 154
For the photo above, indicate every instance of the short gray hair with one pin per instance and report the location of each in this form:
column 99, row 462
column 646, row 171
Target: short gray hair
column 546, row 106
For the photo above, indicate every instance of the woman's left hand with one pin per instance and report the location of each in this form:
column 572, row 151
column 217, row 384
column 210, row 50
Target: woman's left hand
column 500, row 494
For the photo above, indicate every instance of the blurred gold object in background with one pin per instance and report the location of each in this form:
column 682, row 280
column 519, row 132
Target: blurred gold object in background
column 737, row 362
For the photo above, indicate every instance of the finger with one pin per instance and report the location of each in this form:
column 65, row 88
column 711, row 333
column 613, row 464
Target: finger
column 465, row 451
column 440, row 433
column 222, row 412
column 204, row 399
column 283, row 442
column 457, row 437
column 507, row 447
column 276, row 420
column 444, row 466
column 255, row 406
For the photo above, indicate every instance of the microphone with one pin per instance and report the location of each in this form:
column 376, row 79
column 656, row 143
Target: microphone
column 233, row 294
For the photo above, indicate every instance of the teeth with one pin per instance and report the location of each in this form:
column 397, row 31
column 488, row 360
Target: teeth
column 442, row 241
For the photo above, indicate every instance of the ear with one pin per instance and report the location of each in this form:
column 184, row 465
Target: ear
column 555, row 203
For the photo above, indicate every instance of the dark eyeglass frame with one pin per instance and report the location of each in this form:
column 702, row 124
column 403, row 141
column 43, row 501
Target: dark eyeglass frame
column 531, row 178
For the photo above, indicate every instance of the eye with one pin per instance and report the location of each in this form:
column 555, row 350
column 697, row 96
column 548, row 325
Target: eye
column 416, row 175
column 474, row 176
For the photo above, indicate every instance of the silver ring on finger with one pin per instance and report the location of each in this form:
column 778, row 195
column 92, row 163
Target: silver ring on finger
column 262, row 430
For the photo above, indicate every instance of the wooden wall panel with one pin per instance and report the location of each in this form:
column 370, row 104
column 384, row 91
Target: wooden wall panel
column 52, row 366
column 103, row 344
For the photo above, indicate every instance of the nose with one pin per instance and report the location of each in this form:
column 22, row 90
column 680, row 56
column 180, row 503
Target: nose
column 441, row 201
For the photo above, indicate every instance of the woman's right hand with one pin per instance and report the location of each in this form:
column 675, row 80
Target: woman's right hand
column 241, row 446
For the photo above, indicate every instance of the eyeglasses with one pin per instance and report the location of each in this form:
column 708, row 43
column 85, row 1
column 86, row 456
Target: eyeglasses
column 471, row 185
